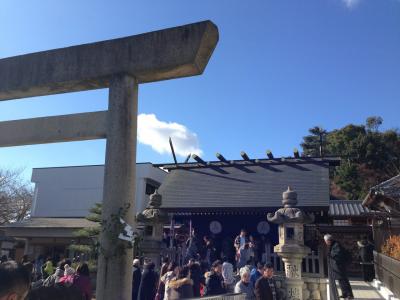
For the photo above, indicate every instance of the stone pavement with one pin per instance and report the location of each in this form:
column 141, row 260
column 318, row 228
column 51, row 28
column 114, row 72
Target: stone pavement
column 364, row 290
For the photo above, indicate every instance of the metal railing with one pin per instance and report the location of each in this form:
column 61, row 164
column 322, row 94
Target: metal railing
column 225, row 297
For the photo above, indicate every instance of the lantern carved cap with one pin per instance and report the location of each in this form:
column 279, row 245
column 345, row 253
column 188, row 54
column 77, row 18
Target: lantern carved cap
column 153, row 213
column 289, row 213
column 289, row 198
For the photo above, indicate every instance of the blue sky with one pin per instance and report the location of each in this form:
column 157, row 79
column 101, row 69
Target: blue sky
column 280, row 68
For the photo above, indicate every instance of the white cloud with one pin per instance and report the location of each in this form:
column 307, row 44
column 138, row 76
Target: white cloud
column 156, row 133
column 351, row 3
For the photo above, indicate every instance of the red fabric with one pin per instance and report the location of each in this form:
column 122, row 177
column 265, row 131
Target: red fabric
column 67, row 280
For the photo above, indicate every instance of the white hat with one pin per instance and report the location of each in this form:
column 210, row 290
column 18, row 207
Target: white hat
column 136, row 262
column 328, row 237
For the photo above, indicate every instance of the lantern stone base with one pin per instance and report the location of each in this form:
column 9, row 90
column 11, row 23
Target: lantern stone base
column 152, row 249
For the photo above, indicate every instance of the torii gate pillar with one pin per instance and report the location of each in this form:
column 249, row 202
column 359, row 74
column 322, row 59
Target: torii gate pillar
column 119, row 187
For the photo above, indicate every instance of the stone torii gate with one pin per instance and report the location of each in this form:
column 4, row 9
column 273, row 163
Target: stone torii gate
column 120, row 65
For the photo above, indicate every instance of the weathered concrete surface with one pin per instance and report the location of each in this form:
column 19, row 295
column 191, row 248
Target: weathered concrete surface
column 114, row 274
column 65, row 128
column 175, row 52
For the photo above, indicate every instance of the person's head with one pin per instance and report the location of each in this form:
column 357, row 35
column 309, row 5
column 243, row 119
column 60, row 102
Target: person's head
column 206, row 238
column 191, row 262
column 83, row 269
column 173, row 267
column 244, row 274
column 328, row 239
column 3, row 259
column 28, row 266
column 260, row 267
column 268, row 270
column 150, row 265
column 68, row 271
column 14, row 281
column 243, row 232
column 217, row 266
column 251, row 238
column 165, row 260
column 64, row 262
column 136, row 263
column 184, row 272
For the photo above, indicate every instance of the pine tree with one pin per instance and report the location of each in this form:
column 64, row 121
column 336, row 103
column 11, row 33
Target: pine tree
column 89, row 237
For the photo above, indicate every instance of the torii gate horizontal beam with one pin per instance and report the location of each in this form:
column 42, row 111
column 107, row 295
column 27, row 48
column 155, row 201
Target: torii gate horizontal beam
column 65, row 128
column 170, row 53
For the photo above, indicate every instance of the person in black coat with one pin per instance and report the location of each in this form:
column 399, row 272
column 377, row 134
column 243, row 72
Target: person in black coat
column 196, row 276
column 338, row 259
column 148, row 282
column 366, row 253
column 137, row 276
column 265, row 287
column 215, row 281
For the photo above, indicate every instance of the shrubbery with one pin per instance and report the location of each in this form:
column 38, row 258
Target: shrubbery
column 392, row 247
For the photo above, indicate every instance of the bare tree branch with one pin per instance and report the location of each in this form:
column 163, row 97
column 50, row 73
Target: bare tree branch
column 15, row 196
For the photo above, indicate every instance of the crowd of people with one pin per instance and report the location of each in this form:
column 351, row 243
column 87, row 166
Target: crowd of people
column 42, row 281
column 208, row 272
column 244, row 249
column 195, row 280
column 201, row 275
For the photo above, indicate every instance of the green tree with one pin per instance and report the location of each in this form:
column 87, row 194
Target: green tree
column 314, row 144
column 369, row 156
column 89, row 237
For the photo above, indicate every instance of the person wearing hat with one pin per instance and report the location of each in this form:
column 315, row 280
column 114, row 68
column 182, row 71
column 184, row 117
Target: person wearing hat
column 215, row 281
column 68, row 278
column 338, row 259
column 136, row 278
column 265, row 287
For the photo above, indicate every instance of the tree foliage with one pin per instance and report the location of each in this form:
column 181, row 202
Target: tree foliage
column 89, row 237
column 15, row 197
column 369, row 156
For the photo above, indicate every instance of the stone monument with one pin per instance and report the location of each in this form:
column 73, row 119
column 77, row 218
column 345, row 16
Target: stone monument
column 291, row 247
column 153, row 219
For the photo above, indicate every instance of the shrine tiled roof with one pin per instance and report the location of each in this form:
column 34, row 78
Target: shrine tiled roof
column 349, row 208
column 245, row 185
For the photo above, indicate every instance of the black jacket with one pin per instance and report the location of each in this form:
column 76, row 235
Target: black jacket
column 338, row 259
column 148, row 284
column 197, row 277
column 262, row 289
column 137, row 276
column 366, row 251
column 215, row 285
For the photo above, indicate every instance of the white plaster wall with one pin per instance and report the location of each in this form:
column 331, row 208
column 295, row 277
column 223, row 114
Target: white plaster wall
column 72, row 191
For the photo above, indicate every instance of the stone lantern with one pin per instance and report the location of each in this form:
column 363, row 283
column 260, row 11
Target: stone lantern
column 153, row 219
column 291, row 247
